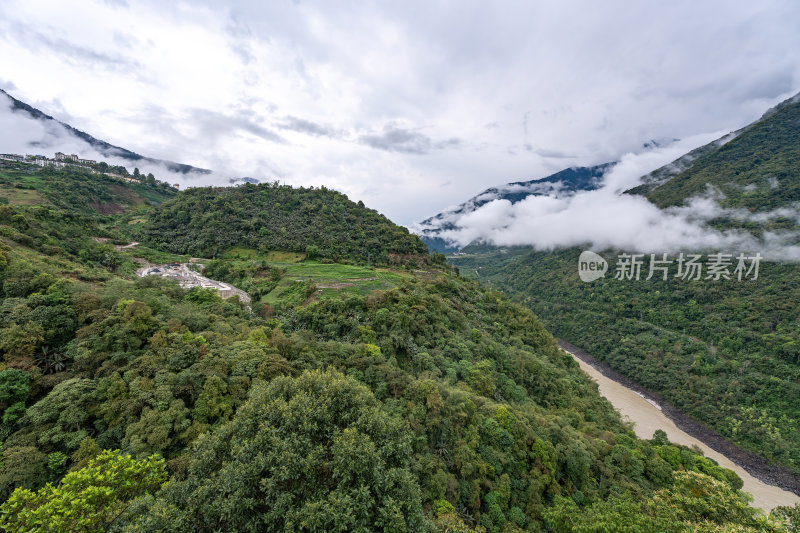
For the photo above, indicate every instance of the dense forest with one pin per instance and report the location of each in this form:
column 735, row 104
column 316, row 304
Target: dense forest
column 397, row 399
column 207, row 221
column 725, row 352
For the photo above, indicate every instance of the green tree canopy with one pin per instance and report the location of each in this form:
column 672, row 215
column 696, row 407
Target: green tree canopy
column 87, row 500
column 313, row 453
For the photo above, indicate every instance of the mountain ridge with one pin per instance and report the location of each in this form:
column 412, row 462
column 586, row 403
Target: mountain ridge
column 564, row 182
column 105, row 148
column 754, row 160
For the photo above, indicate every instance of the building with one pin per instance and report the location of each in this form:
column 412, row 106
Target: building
column 74, row 157
column 176, row 185
column 188, row 279
column 87, row 161
column 11, row 157
column 60, row 156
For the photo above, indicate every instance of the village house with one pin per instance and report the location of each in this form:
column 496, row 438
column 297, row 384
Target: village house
column 61, row 160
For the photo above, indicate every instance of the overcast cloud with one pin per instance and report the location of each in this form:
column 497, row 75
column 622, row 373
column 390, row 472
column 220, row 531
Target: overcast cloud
column 408, row 106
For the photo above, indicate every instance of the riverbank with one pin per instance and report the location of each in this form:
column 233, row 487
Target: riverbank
column 770, row 486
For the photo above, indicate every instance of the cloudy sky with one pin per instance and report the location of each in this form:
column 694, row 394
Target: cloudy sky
column 408, row 106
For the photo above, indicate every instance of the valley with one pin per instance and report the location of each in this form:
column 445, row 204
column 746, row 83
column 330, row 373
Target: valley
column 648, row 417
column 371, row 355
column 392, row 267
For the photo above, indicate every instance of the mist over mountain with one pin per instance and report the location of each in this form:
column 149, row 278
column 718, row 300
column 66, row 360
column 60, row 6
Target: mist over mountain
column 564, row 183
column 706, row 191
column 224, row 304
column 719, row 349
column 26, row 129
column 755, row 167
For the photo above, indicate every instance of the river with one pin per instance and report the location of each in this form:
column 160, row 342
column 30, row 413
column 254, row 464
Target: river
column 648, row 417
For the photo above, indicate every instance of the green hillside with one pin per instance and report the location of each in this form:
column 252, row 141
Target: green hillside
column 726, row 352
column 355, row 399
column 73, row 214
column 207, row 221
column 758, row 170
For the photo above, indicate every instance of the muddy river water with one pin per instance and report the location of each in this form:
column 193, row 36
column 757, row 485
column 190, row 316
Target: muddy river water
column 648, row 417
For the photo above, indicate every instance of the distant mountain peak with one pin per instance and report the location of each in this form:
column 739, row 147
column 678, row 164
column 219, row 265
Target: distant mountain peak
column 104, row 148
column 246, row 179
column 658, row 143
column 563, row 183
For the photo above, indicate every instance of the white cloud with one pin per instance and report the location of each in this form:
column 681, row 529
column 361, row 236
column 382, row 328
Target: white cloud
column 604, row 218
column 566, row 83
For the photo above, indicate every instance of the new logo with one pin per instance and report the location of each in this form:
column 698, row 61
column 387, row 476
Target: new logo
column 591, row 266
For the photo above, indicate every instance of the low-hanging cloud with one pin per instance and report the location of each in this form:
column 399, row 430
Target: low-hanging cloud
column 496, row 94
column 21, row 134
column 605, row 218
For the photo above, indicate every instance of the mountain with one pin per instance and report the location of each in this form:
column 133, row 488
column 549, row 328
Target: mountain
column 726, row 352
column 208, row 220
column 563, row 183
column 755, row 168
column 345, row 397
column 246, row 179
column 106, row 149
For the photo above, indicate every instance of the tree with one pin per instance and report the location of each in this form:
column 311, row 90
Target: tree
column 19, row 343
column 61, row 418
column 23, row 466
column 312, row 252
column 86, row 500
column 314, row 453
column 15, row 386
column 696, row 502
column 136, row 173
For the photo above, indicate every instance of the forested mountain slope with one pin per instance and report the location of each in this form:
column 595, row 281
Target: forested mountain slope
column 428, row 404
column 72, row 213
column 206, row 221
column 727, row 352
column 759, row 169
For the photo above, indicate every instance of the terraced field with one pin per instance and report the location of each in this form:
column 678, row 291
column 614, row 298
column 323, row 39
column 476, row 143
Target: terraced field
column 334, row 280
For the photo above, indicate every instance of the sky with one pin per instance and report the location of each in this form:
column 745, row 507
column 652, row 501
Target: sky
column 409, row 106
